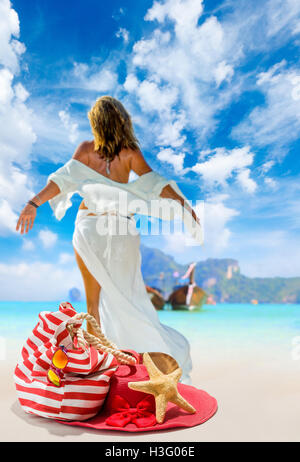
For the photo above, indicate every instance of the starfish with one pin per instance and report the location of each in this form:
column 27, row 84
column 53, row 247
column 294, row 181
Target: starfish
column 163, row 387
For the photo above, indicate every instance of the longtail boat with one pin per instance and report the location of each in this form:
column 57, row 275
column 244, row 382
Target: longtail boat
column 189, row 297
column 156, row 297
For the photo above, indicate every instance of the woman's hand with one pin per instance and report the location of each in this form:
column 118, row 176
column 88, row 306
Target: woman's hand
column 169, row 193
column 28, row 213
column 26, row 218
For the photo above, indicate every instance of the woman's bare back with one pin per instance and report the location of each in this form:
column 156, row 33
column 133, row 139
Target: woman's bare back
column 119, row 167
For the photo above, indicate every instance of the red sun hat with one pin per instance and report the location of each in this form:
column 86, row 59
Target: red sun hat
column 130, row 410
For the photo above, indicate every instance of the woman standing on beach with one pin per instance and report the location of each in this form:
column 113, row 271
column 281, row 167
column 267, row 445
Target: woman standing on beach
column 110, row 263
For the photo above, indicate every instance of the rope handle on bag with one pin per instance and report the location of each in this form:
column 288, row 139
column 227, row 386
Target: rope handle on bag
column 100, row 342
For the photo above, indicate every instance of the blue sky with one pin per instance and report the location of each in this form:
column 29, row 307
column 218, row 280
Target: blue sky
column 213, row 89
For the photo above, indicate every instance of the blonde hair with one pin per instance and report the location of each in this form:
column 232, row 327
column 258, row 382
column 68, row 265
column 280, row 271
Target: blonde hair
column 112, row 127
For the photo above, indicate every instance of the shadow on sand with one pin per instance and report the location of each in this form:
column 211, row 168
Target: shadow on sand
column 55, row 428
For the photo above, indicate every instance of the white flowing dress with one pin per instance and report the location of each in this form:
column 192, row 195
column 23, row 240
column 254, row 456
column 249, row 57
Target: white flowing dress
column 127, row 315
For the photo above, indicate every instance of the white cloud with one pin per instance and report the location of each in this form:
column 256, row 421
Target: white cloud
column 243, row 177
column 203, row 56
column 48, row 238
column 270, row 182
column 175, row 84
column 176, row 160
column 65, row 258
column 51, row 281
column 184, row 13
column 53, row 144
column 203, row 60
column 261, row 26
column 71, row 127
column 216, row 218
column 154, row 98
column 15, row 117
column 282, row 18
column 170, row 132
column 131, row 83
column 221, row 166
column 15, row 186
column 10, row 48
column 199, row 57
column 21, row 92
column 277, row 121
column 8, row 218
column 16, row 133
column 28, row 244
column 223, row 72
column 87, row 78
column 6, row 91
column 267, row 166
column 123, row 33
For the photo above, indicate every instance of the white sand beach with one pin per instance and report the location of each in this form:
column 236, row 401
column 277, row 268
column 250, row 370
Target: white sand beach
column 257, row 392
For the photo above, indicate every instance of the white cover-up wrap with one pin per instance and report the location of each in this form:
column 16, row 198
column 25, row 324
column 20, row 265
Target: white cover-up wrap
column 127, row 315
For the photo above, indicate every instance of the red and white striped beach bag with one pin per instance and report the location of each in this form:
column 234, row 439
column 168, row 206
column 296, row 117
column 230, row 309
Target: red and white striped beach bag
column 86, row 378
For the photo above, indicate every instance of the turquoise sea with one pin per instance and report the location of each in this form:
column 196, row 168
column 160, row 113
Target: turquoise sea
column 226, row 326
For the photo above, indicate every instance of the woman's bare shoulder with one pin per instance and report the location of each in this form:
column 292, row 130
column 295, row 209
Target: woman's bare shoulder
column 82, row 152
column 132, row 159
column 138, row 162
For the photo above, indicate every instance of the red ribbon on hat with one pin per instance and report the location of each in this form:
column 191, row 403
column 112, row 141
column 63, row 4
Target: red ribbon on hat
column 142, row 416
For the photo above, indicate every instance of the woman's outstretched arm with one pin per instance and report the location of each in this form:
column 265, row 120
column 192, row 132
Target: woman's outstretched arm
column 28, row 214
column 140, row 166
column 169, row 193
